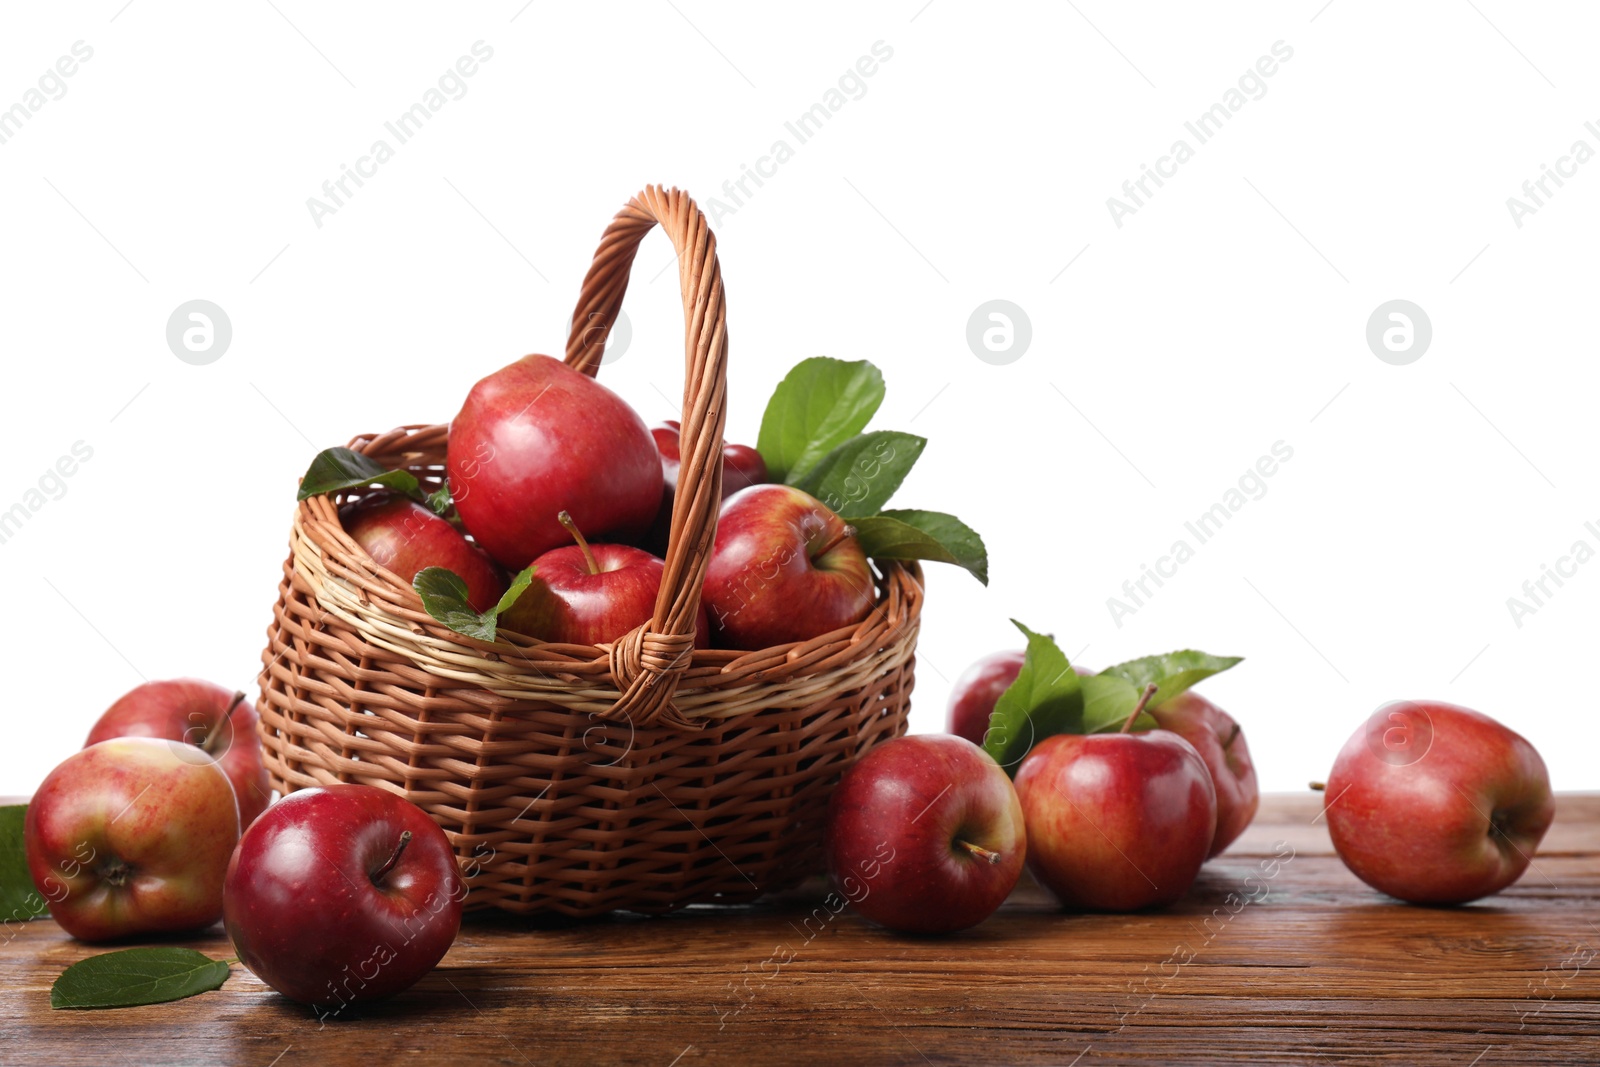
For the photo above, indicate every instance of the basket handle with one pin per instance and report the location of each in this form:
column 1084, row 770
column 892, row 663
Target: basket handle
column 647, row 662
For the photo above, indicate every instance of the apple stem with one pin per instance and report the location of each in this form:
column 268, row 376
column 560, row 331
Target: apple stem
column 1320, row 787
column 833, row 542
column 565, row 519
column 211, row 738
column 979, row 851
column 394, row 857
column 1138, row 709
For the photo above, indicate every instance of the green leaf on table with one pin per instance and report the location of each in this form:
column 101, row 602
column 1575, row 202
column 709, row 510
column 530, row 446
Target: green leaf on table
column 859, row 476
column 444, row 596
column 19, row 900
column 137, row 976
column 1171, row 673
column 820, row 404
column 1108, row 700
column 336, row 469
column 1045, row 699
column 931, row 535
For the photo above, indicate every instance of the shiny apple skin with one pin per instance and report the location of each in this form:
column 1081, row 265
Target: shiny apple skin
column 191, row 710
column 1220, row 742
column 305, row 914
column 405, row 537
column 536, row 438
column 565, row 604
column 132, row 836
column 1461, row 822
column 893, row 825
column 1116, row 822
column 769, row 583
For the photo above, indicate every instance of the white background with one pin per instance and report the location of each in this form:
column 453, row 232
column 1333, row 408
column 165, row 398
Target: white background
column 1227, row 314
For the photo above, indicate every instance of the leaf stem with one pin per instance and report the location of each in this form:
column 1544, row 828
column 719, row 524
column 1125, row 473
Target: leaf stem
column 1144, row 698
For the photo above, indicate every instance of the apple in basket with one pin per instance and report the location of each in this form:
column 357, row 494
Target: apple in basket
column 742, row 467
column 132, row 836
column 537, row 436
column 404, row 537
column 220, row 723
column 587, row 594
column 783, row 568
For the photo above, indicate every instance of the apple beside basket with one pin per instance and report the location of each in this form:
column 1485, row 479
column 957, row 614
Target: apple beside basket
column 578, row 779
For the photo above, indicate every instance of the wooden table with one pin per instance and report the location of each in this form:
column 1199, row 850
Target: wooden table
column 1313, row 968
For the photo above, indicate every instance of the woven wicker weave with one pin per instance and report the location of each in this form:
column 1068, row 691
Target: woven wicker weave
column 571, row 778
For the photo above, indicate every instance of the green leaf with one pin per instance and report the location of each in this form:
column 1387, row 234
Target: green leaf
column 1171, row 673
column 931, row 535
column 1108, row 700
column 860, row 476
column 336, row 469
column 439, row 499
column 444, row 596
column 523, row 579
column 820, row 404
column 19, row 900
column 137, row 976
column 1045, row 699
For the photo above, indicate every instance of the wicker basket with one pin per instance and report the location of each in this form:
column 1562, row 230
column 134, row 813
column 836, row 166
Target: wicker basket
column 643, row 775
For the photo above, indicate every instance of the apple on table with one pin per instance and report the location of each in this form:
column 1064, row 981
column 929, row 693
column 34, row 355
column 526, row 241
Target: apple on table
column 132, row 836
column 343, row 894
column 221, row 723
column 1117, row 822
column 1435, row 803
column 925, row 835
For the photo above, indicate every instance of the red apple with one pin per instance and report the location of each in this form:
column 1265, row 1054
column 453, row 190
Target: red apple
column 1437, row 804
column 132, row 836
column 1117, row 822
column 343, row 894
column 925, row 835
column 538, row 436
column 404, row 537
column 783, row 568
column 976, row 692
column 587, row 594
column 1220, row 742
column 742, row 467
column 221, row 723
